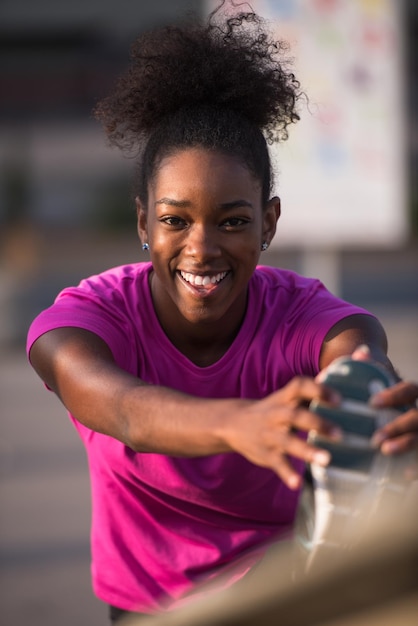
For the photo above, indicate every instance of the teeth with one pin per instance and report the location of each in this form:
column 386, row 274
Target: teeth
column 204, row 281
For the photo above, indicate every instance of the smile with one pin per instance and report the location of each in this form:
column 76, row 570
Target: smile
column 197, row 280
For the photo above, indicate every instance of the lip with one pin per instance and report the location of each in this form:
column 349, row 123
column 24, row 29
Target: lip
column 202, row 283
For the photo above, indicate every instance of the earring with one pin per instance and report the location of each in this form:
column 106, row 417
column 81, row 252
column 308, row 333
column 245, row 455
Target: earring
column 145, row 246
column 264, row 246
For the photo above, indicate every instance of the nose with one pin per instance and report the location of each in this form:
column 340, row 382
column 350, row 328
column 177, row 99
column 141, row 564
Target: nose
column 203, row 243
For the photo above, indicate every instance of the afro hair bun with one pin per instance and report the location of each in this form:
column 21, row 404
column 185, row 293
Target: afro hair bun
column 230, row 63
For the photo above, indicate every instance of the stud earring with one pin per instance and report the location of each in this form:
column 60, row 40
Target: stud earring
column 145, row 246
column 264, row 246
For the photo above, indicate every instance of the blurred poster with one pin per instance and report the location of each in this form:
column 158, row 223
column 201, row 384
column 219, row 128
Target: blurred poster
column 341, row 174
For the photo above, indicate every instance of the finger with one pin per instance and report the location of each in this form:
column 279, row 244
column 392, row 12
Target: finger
column 304, row 420
column 283, row 468
column 290, row 444
column 304, row 389
column 389, row 438
column 400, row 394
column 400, row 444
column 361, row 353
column 299, row 449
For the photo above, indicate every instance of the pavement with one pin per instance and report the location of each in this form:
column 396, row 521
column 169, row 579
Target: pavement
column 45, row 507
column 44, row 487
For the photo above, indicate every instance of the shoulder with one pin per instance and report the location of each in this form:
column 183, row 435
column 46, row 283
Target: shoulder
column 104, row 304
column 301, row 312
column 115, row 297
column 286, row 286
column 277, row 276
column 305, row 296
column 268, row 277
column 121, row 279
column 121, row 288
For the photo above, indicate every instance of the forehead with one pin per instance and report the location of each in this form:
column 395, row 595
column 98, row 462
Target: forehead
column 201, row 170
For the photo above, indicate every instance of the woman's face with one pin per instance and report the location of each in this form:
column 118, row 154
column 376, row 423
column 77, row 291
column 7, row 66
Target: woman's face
column 204, row 224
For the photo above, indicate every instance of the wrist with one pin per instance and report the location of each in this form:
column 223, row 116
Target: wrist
column 228, row 422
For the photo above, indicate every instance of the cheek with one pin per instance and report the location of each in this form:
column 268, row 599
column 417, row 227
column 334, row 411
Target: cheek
column 253, row 245
column 249, row 256
column 159, row 241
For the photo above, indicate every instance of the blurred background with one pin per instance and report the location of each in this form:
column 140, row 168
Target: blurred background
column 350, row 216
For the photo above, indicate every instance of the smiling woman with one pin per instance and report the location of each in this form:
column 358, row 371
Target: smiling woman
column 188, row 377
column 205, row 224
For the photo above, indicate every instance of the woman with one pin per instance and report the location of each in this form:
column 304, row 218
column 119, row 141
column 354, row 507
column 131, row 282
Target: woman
column 188, row 377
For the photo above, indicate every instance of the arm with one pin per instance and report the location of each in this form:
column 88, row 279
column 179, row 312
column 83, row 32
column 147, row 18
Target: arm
column 351, row 332
column 79, row 367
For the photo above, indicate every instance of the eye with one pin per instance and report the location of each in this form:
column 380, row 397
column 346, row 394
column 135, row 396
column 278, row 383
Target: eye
column 172, row 220
column 235, row 222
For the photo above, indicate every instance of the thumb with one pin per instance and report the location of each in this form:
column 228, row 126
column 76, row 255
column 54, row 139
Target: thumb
column 361, row 353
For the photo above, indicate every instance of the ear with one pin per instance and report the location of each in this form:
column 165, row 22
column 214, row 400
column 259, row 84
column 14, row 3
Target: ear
column 271, row 214
column 142, row 225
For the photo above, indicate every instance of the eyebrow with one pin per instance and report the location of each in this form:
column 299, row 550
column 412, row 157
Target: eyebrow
column 225, row 206
column 172, row 202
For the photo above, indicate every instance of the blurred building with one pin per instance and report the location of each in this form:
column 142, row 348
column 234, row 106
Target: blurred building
column 61, row 188
column 58, row 179
column 57, row 60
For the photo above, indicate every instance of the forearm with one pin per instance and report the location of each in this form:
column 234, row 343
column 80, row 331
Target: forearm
column 158, row 419
column 80, row 369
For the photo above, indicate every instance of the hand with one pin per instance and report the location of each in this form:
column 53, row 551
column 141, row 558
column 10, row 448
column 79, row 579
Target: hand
column 400, row 435
column 268, row 431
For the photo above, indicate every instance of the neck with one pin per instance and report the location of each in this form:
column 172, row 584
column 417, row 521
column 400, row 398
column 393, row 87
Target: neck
column 202, row 344
column 205, row 342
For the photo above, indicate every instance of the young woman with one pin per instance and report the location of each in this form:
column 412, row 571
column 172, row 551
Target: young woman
column 188, row 377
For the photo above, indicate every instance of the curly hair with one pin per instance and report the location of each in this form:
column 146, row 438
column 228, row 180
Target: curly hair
column 221, row 85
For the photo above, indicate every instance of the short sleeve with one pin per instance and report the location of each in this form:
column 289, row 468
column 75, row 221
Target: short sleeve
column 87, row 308
column 313, row 313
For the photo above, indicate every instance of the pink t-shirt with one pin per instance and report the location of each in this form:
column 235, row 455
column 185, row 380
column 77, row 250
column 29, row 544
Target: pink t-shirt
column 162, row 524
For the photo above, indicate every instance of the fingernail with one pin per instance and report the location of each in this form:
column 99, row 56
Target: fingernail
column 377, row 401
column 336, row 433
column 389, row 447
column 335, row 397
column 321, row 376
column 377, row 439
column 322, row 457
column 364, row 348
column 294, row 482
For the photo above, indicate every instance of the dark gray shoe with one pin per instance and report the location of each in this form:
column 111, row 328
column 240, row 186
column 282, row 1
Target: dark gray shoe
column 341, row 501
